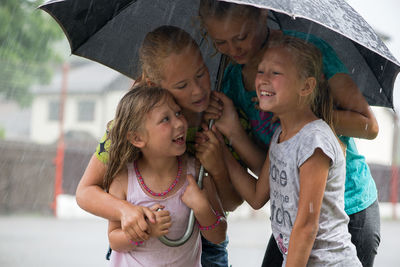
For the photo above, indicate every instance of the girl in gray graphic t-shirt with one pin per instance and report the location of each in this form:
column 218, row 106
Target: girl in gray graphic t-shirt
column 304, row 173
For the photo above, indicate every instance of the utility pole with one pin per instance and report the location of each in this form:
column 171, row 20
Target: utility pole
column 59, row 160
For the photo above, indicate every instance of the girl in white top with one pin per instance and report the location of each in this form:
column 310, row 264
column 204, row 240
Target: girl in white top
column 304, row 173
column 148, row 168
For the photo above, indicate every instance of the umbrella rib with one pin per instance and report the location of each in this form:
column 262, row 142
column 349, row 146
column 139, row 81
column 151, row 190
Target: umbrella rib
column 116, row 13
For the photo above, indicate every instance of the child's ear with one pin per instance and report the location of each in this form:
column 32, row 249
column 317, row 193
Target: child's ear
column 135, row 139
column 309, row 86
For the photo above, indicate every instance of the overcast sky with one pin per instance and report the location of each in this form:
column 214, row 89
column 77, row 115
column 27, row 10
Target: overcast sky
column 384, row 17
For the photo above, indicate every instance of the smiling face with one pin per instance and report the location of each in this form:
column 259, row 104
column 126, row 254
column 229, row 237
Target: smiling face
column 238, row 37
column 278, row 82
column 164, row 130
column 186, row 77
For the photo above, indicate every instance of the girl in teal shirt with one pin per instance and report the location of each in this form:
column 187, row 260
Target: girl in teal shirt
column 240, row 32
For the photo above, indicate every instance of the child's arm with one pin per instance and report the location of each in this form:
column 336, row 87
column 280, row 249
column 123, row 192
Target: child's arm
column 207, row 209
column 119, row 241
column 353, row 116
column 209, row 152
column 227, row 122
column 313, row 177
column 117, row 238
column 254, row 191
column 91, row 197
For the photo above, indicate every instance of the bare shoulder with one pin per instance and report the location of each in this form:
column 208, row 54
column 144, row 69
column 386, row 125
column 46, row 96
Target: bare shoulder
column 119, row 185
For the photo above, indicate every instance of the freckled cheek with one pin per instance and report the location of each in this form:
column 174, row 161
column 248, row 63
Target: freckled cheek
column 183, row 100
column 185, row 123
column 257, row 82
column 253, row 47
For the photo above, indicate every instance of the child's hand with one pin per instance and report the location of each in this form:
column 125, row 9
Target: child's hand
column 214, row 109
column 256, row 102
column 163, row 221
column 227, row 122
column 194, row 197
column 209, row 150
column 135, row 222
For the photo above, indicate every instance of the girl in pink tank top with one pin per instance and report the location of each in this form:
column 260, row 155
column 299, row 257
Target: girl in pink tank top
column 148, row 167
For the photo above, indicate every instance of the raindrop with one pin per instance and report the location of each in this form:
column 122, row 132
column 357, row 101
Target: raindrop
column 366, row 126
column 381, row 67
column 311, row 207
column 380, row 90
column 352, row 71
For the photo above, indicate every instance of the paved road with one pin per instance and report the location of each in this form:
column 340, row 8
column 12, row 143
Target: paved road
column 45, row 241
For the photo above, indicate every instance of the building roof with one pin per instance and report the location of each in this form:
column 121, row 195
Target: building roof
column 86, row 78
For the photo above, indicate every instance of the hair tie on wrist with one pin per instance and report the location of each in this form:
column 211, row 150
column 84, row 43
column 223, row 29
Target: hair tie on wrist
column 137, row 243
column 219, row 219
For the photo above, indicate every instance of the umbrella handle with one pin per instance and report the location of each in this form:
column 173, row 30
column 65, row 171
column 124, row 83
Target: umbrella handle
column 189, row 229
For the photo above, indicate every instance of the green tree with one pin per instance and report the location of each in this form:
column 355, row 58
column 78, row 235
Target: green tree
column 2, row 133
column 27, row 55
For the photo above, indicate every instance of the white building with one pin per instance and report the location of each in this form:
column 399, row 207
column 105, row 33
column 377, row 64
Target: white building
column 93, row 92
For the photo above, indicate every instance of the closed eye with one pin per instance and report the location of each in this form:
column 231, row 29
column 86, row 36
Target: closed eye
column 241, row 38
column 182, row 86
column 219, row 42
column 200, row 74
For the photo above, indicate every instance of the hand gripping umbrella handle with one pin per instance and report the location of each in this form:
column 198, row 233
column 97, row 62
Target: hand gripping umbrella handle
column 189, row 229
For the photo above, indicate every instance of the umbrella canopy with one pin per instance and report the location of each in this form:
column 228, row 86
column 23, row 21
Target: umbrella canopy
column 369, row 61
column 111, row 31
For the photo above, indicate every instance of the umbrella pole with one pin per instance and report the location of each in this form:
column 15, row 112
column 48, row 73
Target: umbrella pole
column 189, row 229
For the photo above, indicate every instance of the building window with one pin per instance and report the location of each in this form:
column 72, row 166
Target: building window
column 85, row 111
column 54, row 109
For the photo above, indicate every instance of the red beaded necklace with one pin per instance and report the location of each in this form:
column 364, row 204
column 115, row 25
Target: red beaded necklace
column 140, row 179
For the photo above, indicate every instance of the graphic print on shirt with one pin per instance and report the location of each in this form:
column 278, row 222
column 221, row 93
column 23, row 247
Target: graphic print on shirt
column 280, row 199
column 283, row 244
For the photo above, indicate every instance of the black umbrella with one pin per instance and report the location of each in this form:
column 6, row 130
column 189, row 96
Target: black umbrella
column 111, row 31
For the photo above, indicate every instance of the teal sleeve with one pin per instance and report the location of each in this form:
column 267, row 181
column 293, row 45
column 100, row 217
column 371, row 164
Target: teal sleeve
column 227, row 87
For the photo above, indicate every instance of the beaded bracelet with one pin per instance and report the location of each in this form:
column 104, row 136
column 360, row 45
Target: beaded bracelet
column 219, row 219
column 137, row 243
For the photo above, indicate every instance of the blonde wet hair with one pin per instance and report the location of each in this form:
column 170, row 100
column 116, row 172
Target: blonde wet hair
column 308, row 60
column 222, row 10
column 157, row 46
column 130, row 118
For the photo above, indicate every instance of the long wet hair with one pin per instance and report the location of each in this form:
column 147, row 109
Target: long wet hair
column 308, row 60
column 157, row 46
column 130, row 118
column 221, row 10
